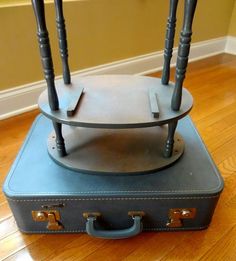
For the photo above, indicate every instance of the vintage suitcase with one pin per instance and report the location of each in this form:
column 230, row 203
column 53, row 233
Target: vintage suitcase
column 47, row 198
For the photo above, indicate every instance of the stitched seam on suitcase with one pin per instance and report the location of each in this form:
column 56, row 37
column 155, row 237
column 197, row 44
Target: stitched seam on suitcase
column 98, row 199
column 124, row 191
column 121, row 191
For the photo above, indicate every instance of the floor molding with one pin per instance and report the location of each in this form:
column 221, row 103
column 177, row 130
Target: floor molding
column 230, row 46
column 24, row 98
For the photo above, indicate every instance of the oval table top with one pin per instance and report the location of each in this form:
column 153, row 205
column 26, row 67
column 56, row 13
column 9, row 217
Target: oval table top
column 115, row 102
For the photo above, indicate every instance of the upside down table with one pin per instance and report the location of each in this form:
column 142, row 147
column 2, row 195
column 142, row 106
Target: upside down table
column 115, row 102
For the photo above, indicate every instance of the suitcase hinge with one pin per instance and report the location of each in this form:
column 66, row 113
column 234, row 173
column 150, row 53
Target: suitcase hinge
column 176, row 215
column 51, row 216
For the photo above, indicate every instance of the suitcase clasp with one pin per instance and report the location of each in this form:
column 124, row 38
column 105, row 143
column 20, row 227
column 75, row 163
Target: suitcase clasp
column 177, row 214
column 51, row 216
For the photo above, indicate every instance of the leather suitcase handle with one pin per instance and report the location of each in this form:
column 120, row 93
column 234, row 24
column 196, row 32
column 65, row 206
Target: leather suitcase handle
column 134, row 230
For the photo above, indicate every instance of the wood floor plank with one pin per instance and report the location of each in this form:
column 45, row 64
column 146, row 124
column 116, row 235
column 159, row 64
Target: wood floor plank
column 208, row 107
column 5, row 211
column 7, row 227
column 157, row 246
column 218, row 140
column 15, row 242
column 215, row 117
column 78, row 249
column 228, row 149
column 116, row 249
column 228, row 166
column 215, row 129
column 2, row 198
column 23, row 256
column 224, row 249
column 231, row 203
column 46, row 247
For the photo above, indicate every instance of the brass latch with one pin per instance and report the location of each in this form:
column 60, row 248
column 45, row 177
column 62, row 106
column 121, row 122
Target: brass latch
column 91, row 214
column 136, row 213
column 177, row 214
column 51, row 216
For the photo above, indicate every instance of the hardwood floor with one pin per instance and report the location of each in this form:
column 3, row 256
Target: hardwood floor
column 212, row 82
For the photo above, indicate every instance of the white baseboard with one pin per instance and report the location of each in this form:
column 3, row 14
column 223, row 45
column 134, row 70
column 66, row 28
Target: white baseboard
column 230, row 46
column 20, row 99
column 24, row 98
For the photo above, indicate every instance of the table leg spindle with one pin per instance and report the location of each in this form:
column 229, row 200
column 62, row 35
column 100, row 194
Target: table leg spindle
column 45, row 52
column 183, row 53
column 170, row 139
column 61, row 32
column 46, row 58
column 169, row 41
column 59, row 139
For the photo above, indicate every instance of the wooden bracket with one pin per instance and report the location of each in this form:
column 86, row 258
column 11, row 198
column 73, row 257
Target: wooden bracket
column 74, row 102
column 154, row 103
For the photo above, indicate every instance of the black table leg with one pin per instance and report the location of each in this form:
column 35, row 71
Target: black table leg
column 183, row 53
column 59, row 139
column 46, row 58
column 45, row 52
column 170, row 139
column 61, row 32
column 169, row 41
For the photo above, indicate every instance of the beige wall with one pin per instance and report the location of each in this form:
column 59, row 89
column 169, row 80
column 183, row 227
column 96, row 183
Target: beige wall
column 232, row 27
column 99, row 31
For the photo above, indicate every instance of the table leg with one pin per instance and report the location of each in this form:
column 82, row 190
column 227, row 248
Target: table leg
column 170, row 139
column 183, row 53
column 61, row 32
column 169, row 41
column 45, row 52
column 59, row 139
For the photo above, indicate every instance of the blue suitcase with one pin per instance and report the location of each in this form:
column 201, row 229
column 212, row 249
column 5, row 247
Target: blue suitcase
column 47, row 198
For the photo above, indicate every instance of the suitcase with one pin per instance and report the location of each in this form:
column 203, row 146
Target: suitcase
column 47, row 198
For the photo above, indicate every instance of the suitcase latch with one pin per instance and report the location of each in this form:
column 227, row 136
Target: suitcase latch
column 51, row 216
column 176, row 215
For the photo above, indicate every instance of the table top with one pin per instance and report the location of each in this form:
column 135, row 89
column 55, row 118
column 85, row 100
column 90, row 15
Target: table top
column 115, row 101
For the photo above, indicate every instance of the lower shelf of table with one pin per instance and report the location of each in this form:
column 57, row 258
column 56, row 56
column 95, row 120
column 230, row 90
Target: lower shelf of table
column 115, row 152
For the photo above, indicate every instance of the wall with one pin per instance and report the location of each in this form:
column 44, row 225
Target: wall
column 99, row 31
column 232, row 27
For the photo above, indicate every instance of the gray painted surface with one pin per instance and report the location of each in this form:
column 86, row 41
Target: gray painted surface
column 115, row 101
column 117, row 152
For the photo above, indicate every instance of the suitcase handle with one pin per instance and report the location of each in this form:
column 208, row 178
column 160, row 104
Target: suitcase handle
column 134, row 230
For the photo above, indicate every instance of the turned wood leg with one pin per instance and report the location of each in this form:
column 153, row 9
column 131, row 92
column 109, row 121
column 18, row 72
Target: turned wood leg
column 169, row 41
column 183, row 53
column 45, row 52
column 61, row 33
column 59, row 139
column 170, row 139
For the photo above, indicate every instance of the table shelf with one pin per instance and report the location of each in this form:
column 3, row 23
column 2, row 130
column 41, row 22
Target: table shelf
column 115, row 102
